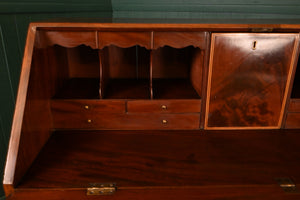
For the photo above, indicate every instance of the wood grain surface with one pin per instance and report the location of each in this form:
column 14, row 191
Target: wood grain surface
column 249, row 79
column 166, row 158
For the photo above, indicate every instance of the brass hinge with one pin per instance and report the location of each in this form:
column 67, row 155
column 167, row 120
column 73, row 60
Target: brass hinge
column 287, row 185
column 102, row 189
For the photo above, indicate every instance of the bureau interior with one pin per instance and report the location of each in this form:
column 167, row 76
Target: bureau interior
column 123, row 73
column 177, row 73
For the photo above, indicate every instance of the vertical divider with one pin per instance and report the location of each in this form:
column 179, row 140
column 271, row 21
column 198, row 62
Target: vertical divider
column 151, row 65
column 101, row 87
column 205, row 70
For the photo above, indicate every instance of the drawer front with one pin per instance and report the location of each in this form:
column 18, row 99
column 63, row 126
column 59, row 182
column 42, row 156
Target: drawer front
column 164, row 106
column 125, row 121
column 245, row 89
column 294, row 105
column 292, row 120
column 87, row 106
column 66, row 38
column 180, row 39
column 124, row 39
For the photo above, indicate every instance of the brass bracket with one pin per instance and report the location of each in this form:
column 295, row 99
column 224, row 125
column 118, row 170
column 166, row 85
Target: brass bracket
column 102, row 189
column 287, row 185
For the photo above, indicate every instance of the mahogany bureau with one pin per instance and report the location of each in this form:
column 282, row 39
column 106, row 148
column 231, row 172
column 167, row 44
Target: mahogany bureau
column 157, row 110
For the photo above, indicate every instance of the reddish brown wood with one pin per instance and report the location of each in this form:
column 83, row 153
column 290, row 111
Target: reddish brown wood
column 78, row 88
column 294, row 105
column 124, row 39
column 174, row 89
column 87, row 106
column 151, row 74
column 204, row 82
column 70, row 74
column 131, row 121
column 166, row 158
column 169, row 62
column 249, row 192
column 83, row 62
column 14, row 142
column 133, row 62
column 127, row 89
column 293, row 120
column 180, row 39
column 247, row 84
column 197, row 70
column 164, row 106
column 66, row 38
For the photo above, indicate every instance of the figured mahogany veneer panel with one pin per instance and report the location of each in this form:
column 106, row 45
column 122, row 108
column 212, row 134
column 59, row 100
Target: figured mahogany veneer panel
column 164, row 106
column 249, row 78
column 124, row 39
column 66, row 38
column 180, row 39
column 87, row 106
column 293, row 120
column 79, row 120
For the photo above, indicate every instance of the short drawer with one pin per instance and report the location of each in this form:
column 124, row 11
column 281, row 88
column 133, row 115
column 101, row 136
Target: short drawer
column 293, row 120
column 126, row 121
column 87, row 106
column 164, row 106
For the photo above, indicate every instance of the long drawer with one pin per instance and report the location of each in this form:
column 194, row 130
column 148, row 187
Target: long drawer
column 77, row 120
column 164, row 106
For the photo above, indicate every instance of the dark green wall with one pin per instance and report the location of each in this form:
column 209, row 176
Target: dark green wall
column 241, row 9
column 15, row 16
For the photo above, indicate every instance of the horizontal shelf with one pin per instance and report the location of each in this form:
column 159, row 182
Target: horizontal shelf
column 79, row 88
column 127, row 89
column 165, row 158
column 174, row 89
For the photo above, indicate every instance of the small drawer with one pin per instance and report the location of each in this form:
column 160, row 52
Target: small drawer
column 66, row 38
column 292, row 120
column 163, row 121
column 125, row 121
column 124, row 39
column 87, row 106
column 164, row 106
column 180, row 39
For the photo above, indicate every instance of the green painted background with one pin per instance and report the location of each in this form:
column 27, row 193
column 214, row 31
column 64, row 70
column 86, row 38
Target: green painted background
column 15, row 16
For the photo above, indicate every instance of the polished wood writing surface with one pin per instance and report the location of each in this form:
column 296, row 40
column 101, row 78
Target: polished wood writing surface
column 248, row 79
column 73, row 159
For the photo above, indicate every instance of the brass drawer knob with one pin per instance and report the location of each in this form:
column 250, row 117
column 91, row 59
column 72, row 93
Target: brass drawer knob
column 164, row 107
column 89, row 121
column 164, row 121
column 86, row 107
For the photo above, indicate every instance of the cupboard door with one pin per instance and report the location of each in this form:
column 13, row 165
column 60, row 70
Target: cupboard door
column 249, row 76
